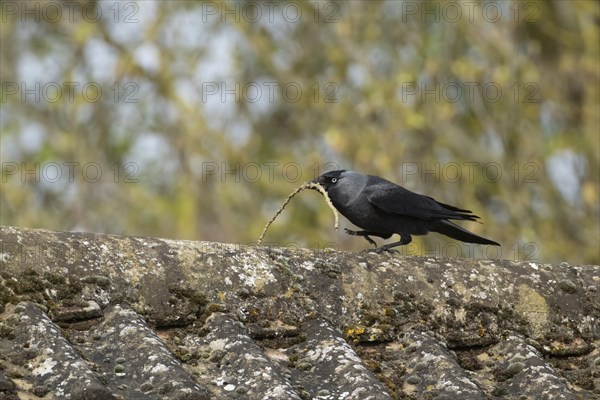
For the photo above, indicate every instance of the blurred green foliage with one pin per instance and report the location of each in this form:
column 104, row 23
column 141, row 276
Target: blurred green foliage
column 211, row 113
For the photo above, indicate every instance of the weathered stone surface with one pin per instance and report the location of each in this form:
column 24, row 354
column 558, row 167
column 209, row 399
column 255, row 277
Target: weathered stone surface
column 328, row 364
column 432, row 369
column 86, row 310
column 101, row 316
column 525, row 371
column 47, row 361
column 133, row 361
column 238, row 366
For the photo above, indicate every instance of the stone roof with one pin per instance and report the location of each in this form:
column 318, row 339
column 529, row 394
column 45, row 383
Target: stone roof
column 94, row 316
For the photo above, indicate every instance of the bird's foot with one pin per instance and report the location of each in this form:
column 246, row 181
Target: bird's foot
column 364, row 234
column 381, row 250
column 384, row 249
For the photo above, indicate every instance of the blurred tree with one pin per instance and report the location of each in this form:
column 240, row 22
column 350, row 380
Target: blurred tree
column 194, row 120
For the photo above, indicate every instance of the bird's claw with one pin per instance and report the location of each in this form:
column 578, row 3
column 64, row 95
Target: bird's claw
column 381, row 250
column 364, row 234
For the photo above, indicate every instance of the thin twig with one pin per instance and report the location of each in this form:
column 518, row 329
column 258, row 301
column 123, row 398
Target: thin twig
column 307, row 185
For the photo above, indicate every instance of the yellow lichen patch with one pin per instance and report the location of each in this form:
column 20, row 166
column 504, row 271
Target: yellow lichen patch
column 368, row 334
column 354, row 333
column 289, row 292
column 533, row 307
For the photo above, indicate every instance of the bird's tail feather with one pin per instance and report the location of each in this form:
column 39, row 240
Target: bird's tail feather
column 452, row 212
column 454, row 231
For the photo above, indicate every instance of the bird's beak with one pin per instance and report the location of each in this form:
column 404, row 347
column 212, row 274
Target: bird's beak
column 318, row 182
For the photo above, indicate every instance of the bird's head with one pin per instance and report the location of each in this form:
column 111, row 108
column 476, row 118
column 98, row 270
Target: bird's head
column 331, row 178
column 341, row 185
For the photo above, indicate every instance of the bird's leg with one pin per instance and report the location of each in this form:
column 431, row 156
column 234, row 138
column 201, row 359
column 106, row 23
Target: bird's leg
column 404, row 240
column 364, row 234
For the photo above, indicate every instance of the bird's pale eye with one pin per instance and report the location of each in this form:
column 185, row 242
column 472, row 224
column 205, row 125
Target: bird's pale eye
column 333, row 180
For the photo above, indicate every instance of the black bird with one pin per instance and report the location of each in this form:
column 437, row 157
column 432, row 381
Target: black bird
column 382, row 208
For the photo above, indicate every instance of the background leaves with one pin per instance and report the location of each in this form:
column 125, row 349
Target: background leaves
column 211, row 113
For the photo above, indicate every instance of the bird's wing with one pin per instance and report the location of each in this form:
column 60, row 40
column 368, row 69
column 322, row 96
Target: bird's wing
column 394, row 199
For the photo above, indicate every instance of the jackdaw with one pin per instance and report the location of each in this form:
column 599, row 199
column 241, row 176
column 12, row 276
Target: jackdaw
column 382, row 208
